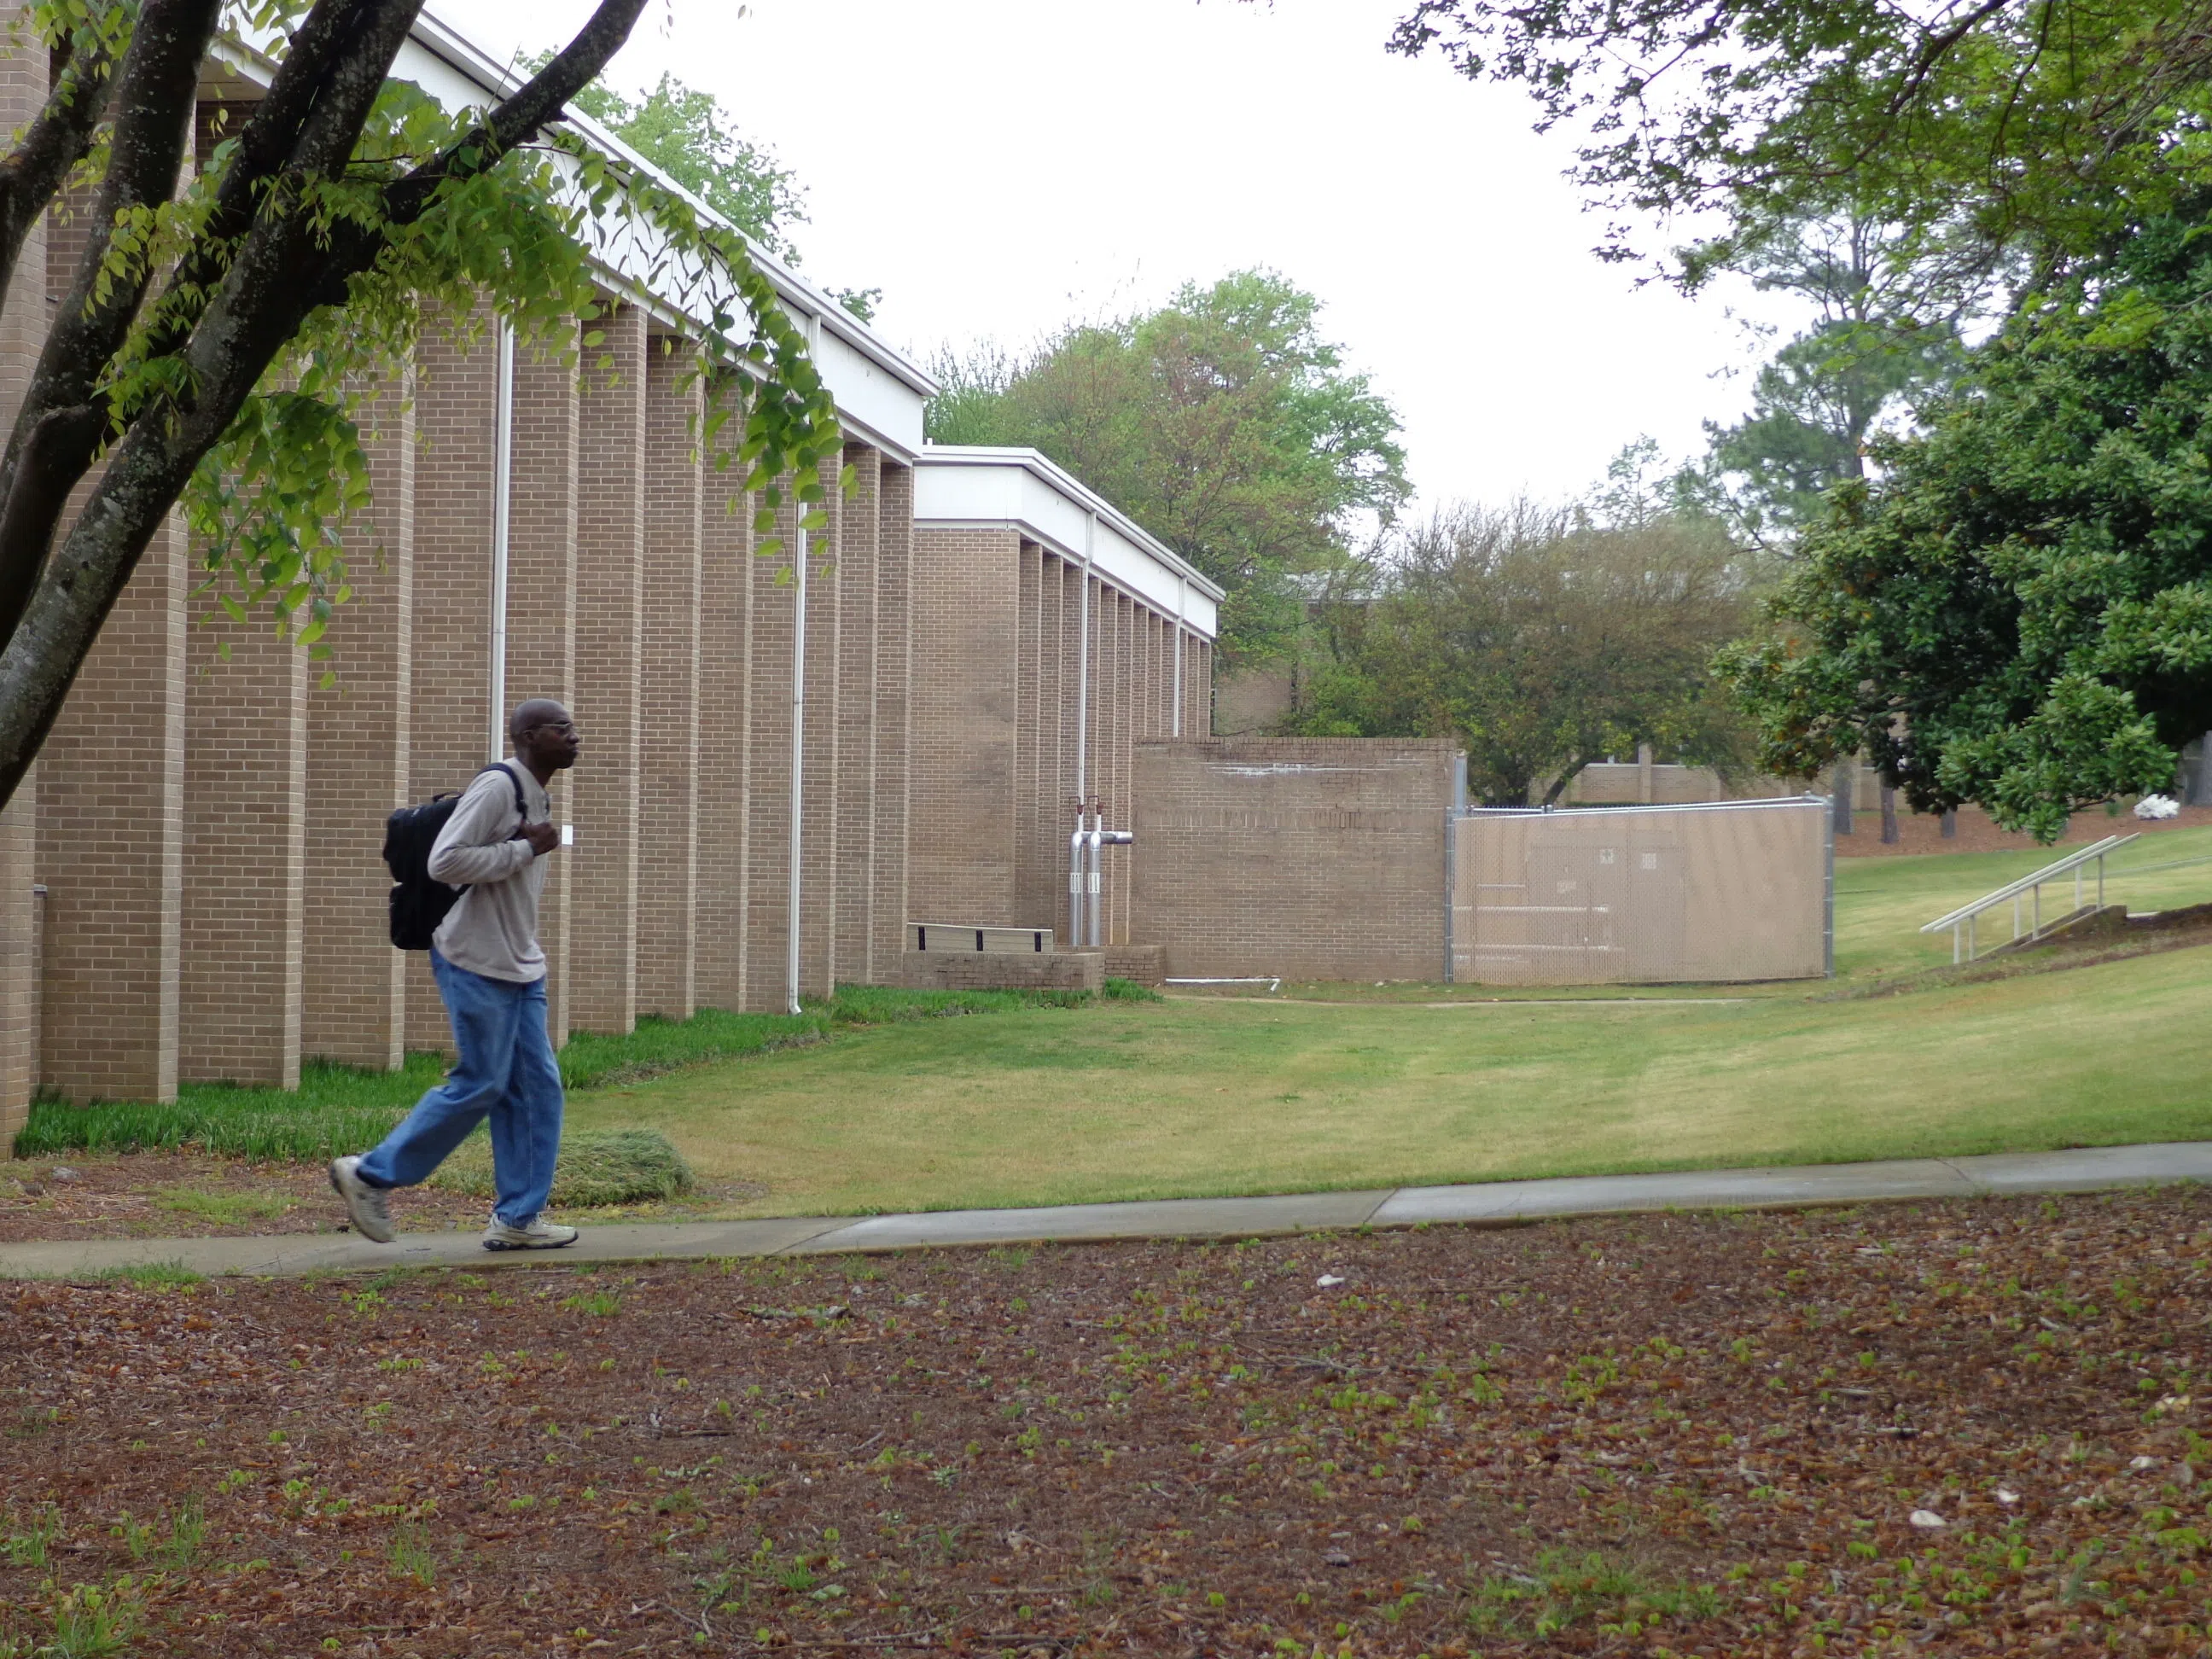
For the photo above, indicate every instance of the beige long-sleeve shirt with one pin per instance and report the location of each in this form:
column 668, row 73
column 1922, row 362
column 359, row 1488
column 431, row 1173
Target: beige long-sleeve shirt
column 493, row 929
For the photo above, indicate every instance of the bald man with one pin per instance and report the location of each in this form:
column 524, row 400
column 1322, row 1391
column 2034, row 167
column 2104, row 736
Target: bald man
column 491, row 974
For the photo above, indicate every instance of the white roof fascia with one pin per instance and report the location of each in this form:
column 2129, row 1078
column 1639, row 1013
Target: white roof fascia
column 962, row 485
column 879, row 391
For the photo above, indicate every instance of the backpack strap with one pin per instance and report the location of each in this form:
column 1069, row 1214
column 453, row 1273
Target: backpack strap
column 521, row 801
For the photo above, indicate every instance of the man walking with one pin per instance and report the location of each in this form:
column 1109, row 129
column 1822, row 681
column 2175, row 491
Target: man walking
column 491, row 976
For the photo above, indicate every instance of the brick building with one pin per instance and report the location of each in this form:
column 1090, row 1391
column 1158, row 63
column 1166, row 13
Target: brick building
column 1052, row 636
column 189, row 881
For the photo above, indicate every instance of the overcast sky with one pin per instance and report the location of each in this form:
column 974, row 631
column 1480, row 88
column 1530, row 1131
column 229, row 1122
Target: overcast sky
column 997, row 166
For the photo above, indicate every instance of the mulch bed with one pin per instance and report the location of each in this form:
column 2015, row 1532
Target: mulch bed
column 1976, row 834
column 1670, row 1435
column 162, row 1195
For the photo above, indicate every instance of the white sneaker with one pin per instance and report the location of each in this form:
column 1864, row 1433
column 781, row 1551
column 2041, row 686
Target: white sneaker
column 539, row 1235
column 368, row 1208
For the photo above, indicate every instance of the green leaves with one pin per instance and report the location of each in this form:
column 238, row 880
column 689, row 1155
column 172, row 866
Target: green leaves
column 2019, row 612
column 268, row 505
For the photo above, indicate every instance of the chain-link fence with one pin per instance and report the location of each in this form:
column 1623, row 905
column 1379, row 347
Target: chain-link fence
column 1641, row 894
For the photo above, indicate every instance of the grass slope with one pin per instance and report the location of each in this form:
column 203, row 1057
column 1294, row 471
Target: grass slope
column 1189, row 1098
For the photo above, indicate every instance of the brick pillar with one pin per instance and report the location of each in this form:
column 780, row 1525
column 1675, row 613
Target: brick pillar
column 668, row 681
column 1199, row 686
column 819, row 848
column 541, row 605
column 726, row 760
column 1068, row 785
column 964, row 723
column 246, row 824
column 894, row 701
column 1028, row 576
column 353, row 984
column 860, row 526
column 610, row 575
column 23, row 329
column 767, row 837
column 1045, row 896
column 449, row 686
column 111, row 846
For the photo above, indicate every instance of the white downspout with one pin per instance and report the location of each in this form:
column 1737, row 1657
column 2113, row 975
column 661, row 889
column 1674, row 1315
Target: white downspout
column 502, row 466
column 791, row 953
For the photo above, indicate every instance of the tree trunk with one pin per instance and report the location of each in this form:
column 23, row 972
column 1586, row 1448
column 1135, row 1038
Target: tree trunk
column 1889, row 836
column 1950, row 822
column 1844, row 782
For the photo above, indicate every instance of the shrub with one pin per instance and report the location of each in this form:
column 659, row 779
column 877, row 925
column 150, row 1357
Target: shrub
column 597, row 1167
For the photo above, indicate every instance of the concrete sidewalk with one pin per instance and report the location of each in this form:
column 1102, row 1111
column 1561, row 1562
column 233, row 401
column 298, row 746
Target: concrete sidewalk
column 1497, row 1203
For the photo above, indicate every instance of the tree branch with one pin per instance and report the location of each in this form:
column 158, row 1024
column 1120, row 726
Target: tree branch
column 263, row 295
column 54, row 142
column 155, row 99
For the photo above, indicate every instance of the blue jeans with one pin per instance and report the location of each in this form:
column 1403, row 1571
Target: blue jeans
column 506, row 1072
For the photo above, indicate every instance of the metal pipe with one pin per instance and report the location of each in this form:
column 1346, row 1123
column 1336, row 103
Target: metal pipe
column 791, row 964
column 1075, row 884
column 1099, row 840
column 791, row 911
column 1083, row 671
column 502, row 466
column 1091, row 878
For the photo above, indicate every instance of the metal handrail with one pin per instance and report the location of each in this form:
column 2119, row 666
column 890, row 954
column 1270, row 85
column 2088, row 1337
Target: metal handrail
column 1964, row 917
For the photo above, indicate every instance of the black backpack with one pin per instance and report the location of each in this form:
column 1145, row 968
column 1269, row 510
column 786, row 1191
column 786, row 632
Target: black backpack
column 418, row 904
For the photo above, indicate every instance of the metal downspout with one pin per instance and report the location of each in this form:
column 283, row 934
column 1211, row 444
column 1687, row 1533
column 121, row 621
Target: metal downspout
column 502, row 468
column 791, row 907
column 1075, row 884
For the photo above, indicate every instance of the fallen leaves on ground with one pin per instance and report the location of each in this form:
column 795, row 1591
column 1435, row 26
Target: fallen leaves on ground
column 1954, row 1428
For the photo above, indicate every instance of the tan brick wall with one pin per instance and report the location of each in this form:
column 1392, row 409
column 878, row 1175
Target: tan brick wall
column 541, row 601
column 893, row 698
column 823, row 776
column 111, row 847
column 962, row 840
column 610, row 574
column 726, row 734
column 859, row 531
column 246, row 801
column 1310, row 858
column 19, row 907
column 768, row 805
column 353, row 984
column 449, row 686
column 668, row 751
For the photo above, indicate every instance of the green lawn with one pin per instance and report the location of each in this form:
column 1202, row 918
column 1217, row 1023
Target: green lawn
column 1880, row 903
column 1193, row 1096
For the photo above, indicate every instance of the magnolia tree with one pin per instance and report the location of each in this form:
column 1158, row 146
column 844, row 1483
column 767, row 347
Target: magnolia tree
column 223, row 325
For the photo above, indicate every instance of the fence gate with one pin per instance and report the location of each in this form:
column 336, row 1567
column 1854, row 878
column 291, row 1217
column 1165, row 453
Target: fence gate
column 1640, row 894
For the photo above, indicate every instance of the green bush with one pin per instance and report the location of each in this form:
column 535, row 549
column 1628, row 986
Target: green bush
column 597, row 1167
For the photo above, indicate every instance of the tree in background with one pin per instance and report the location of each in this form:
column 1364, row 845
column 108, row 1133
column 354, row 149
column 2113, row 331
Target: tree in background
column 1885, row 335
column 1222, row 422
column 222, row 327
column 2018, row 611
column 691, row 137
column 2002, row 139
column 1543, row 639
